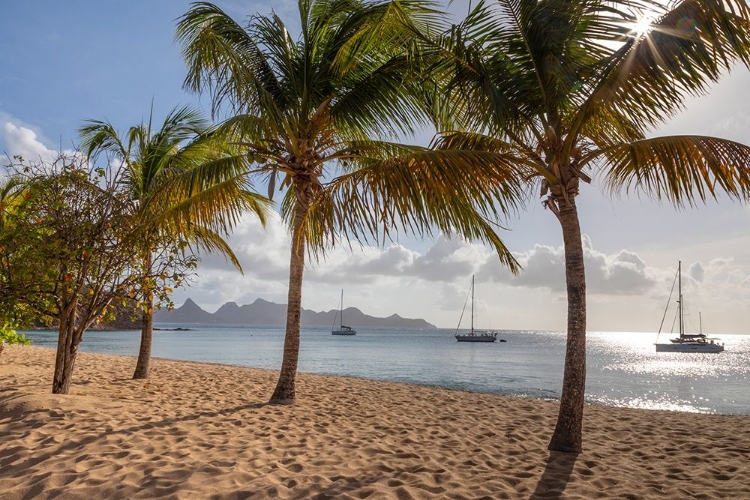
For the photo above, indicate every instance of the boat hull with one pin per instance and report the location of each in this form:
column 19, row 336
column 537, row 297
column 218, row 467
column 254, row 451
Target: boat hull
column 690, row 347
column 475, row 338
column 343, row 332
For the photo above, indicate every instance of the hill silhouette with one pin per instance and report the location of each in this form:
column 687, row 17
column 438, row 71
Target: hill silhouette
column 263, row 312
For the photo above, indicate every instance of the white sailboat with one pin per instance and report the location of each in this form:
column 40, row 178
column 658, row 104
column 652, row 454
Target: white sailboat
column 474, row 335
column 343, row 329
column 687, row 342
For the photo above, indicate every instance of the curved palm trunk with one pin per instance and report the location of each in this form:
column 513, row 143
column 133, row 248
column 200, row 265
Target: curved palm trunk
column 284, row 392
column 147, row 333
column 567, row 435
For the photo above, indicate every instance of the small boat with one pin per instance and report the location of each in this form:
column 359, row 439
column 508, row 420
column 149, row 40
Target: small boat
column 474, row 335
column 687, row 342
column 342, row 329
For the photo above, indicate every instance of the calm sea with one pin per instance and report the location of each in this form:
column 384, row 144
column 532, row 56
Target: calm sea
column 622, row 369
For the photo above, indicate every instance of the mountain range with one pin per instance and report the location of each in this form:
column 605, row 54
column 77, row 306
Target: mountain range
column 262, row 312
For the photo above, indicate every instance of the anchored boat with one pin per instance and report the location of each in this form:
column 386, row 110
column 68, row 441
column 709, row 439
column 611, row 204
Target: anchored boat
column 342, row 329
column 686, row 342
column 474, row 335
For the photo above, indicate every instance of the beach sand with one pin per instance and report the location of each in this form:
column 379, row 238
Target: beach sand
column 199, row 430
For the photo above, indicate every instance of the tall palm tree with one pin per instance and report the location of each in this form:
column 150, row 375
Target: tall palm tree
column 317, row 112
column 187, row 186
column 569, row 85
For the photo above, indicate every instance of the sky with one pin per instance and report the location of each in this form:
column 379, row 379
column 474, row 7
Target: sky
column 65, row 62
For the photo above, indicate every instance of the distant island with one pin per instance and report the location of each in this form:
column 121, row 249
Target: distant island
column 262, row 312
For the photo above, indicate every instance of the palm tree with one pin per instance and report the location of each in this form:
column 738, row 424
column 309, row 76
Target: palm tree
column 318, row 109
column 187, row 186
column 569, row 85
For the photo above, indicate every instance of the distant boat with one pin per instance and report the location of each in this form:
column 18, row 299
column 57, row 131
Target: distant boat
column 687, row 342
column 474, row 335
column 343, row 329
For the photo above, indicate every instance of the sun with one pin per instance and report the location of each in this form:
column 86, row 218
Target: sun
column 643, row 25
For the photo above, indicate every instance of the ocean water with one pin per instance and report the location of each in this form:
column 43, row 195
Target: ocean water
column 622, row 368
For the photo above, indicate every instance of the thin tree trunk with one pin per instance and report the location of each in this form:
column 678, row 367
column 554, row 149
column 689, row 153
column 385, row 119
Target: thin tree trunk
column 567, row 435
column 67, row 348
column 147, row 335
column 285, row 388
column 147, row 329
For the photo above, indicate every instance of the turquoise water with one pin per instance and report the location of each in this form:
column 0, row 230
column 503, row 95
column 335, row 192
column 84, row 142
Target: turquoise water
column 622, row 368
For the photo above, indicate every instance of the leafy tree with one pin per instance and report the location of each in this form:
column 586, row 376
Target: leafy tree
column 70, row 251
column 568, row 86
column 185, row 187
column 9, row 336
column 315, row 114
column 11, row 312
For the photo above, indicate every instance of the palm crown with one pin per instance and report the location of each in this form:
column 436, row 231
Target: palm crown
column 566, row 85
column 186, row 186
column 305, row 109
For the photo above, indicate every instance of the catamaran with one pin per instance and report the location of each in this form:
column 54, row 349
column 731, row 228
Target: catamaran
column 474, row 335
column 342, row 329
column 687, row 342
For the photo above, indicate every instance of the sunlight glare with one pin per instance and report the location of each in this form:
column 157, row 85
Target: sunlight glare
column 643, row 25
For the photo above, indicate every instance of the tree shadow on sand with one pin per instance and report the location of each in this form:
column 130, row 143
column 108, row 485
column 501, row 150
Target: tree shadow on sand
column 556, row 476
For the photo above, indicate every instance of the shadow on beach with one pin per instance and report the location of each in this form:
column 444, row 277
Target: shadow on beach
column 556, row 475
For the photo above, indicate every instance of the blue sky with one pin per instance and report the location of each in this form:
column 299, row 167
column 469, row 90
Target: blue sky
column 64, row 62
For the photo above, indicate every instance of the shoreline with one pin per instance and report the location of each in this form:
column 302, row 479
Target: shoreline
column 630, row 393
column 198, row 430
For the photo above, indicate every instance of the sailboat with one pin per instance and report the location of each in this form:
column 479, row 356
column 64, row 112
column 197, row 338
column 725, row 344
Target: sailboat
column 474, row 335
column 687, row 342
column 343, row 329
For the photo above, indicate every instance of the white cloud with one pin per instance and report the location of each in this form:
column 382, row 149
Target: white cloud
column 20, row 139
column 23, row 141
column 623, row 273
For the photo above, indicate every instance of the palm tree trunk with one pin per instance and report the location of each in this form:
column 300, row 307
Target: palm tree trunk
column 567, row 435
column 147, row 334
column 147, row 329
column 285, row 388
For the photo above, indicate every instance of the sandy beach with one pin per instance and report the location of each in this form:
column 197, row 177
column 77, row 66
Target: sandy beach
column 205, row 431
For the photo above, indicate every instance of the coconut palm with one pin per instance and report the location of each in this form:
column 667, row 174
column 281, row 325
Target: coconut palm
column 187, row 186
column 317, row 113
column 571, row 86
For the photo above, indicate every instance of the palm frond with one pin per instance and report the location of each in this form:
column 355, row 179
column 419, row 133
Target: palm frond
column 224, row 59
column 680, row 169
column 688, row 47
column 204, row 239
column 98, row 135
column 463, row 192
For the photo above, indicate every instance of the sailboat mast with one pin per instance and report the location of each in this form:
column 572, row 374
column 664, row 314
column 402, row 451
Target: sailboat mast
column 342, row 308
column 472, row 303
column 679, row 291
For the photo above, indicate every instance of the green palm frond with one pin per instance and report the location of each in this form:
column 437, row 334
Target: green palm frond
column 181, row 175
column 420, row 191
column 11, row 195
column 681, row 169
column 203, row 239
column 101, row 136
column 224, row 59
